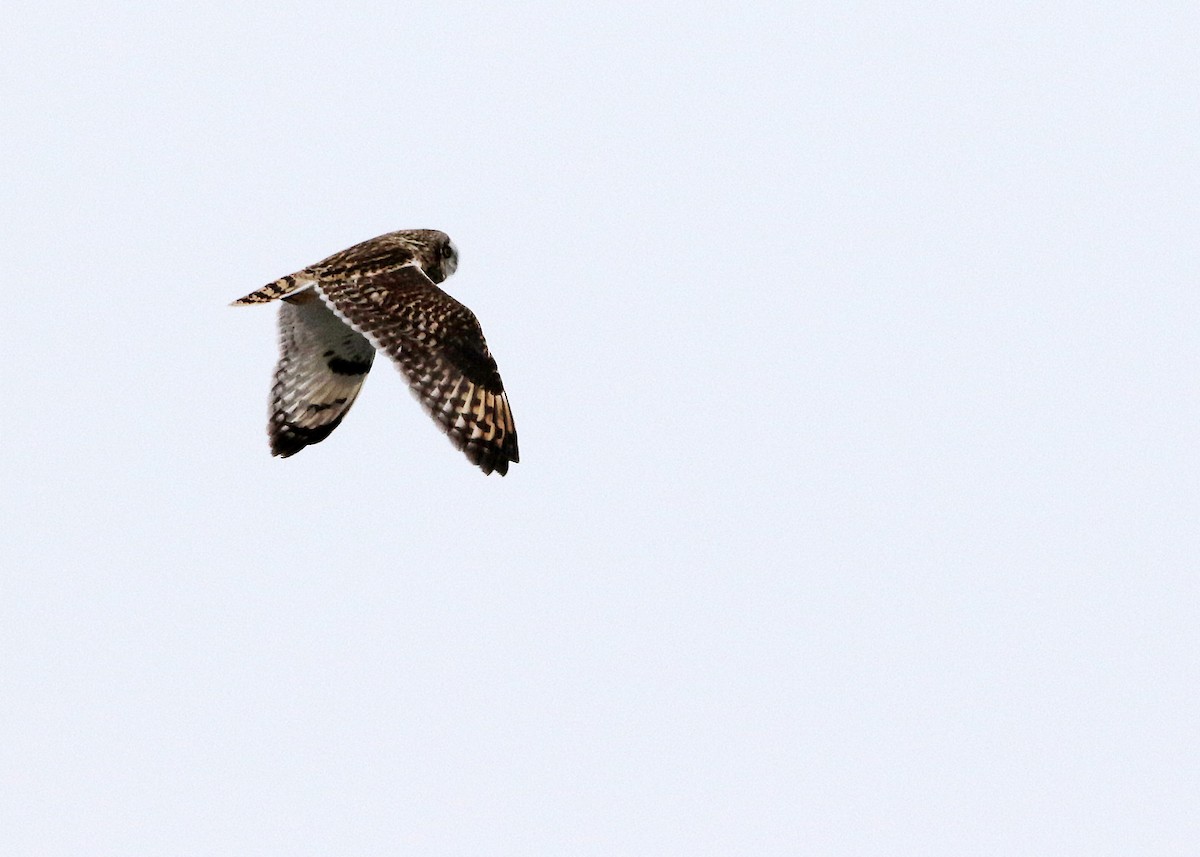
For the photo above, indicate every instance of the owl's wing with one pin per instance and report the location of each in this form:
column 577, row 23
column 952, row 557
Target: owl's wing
column 322, row 365
column 439, row 347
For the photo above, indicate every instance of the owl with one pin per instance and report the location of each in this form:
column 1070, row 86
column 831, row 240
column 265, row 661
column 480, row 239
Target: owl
column 384, row 295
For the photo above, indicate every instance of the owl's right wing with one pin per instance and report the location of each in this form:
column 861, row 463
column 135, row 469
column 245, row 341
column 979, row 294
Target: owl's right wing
column 438, row 345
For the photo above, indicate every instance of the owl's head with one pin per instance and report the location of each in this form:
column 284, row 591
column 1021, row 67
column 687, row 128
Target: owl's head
column 435, row 252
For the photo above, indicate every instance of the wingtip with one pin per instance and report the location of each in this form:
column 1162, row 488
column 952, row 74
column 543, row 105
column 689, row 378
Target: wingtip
column 490, row 461
column 285, row 446
column 287, row 439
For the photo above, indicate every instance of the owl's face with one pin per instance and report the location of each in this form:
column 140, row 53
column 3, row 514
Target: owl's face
column 449, row 257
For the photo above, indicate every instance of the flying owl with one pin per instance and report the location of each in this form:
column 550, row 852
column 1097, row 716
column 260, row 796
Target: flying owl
column 382, row 295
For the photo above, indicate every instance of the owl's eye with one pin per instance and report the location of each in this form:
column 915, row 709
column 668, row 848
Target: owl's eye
column 447, row 251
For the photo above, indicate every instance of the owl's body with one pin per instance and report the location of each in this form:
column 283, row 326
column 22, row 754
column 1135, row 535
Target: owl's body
column 382, row 295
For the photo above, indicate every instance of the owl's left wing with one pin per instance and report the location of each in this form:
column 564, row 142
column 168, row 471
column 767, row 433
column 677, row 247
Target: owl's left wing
column 322, row 366
column 439, row 347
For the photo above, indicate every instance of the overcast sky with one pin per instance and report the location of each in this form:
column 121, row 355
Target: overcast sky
column 853, row 354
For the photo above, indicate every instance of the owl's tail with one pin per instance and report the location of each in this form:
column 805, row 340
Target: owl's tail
column 282, row 287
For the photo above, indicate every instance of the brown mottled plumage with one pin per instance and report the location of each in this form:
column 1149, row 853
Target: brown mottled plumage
column 382, row 294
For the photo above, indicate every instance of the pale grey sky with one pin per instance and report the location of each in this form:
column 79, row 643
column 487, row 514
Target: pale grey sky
column 853, row 352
